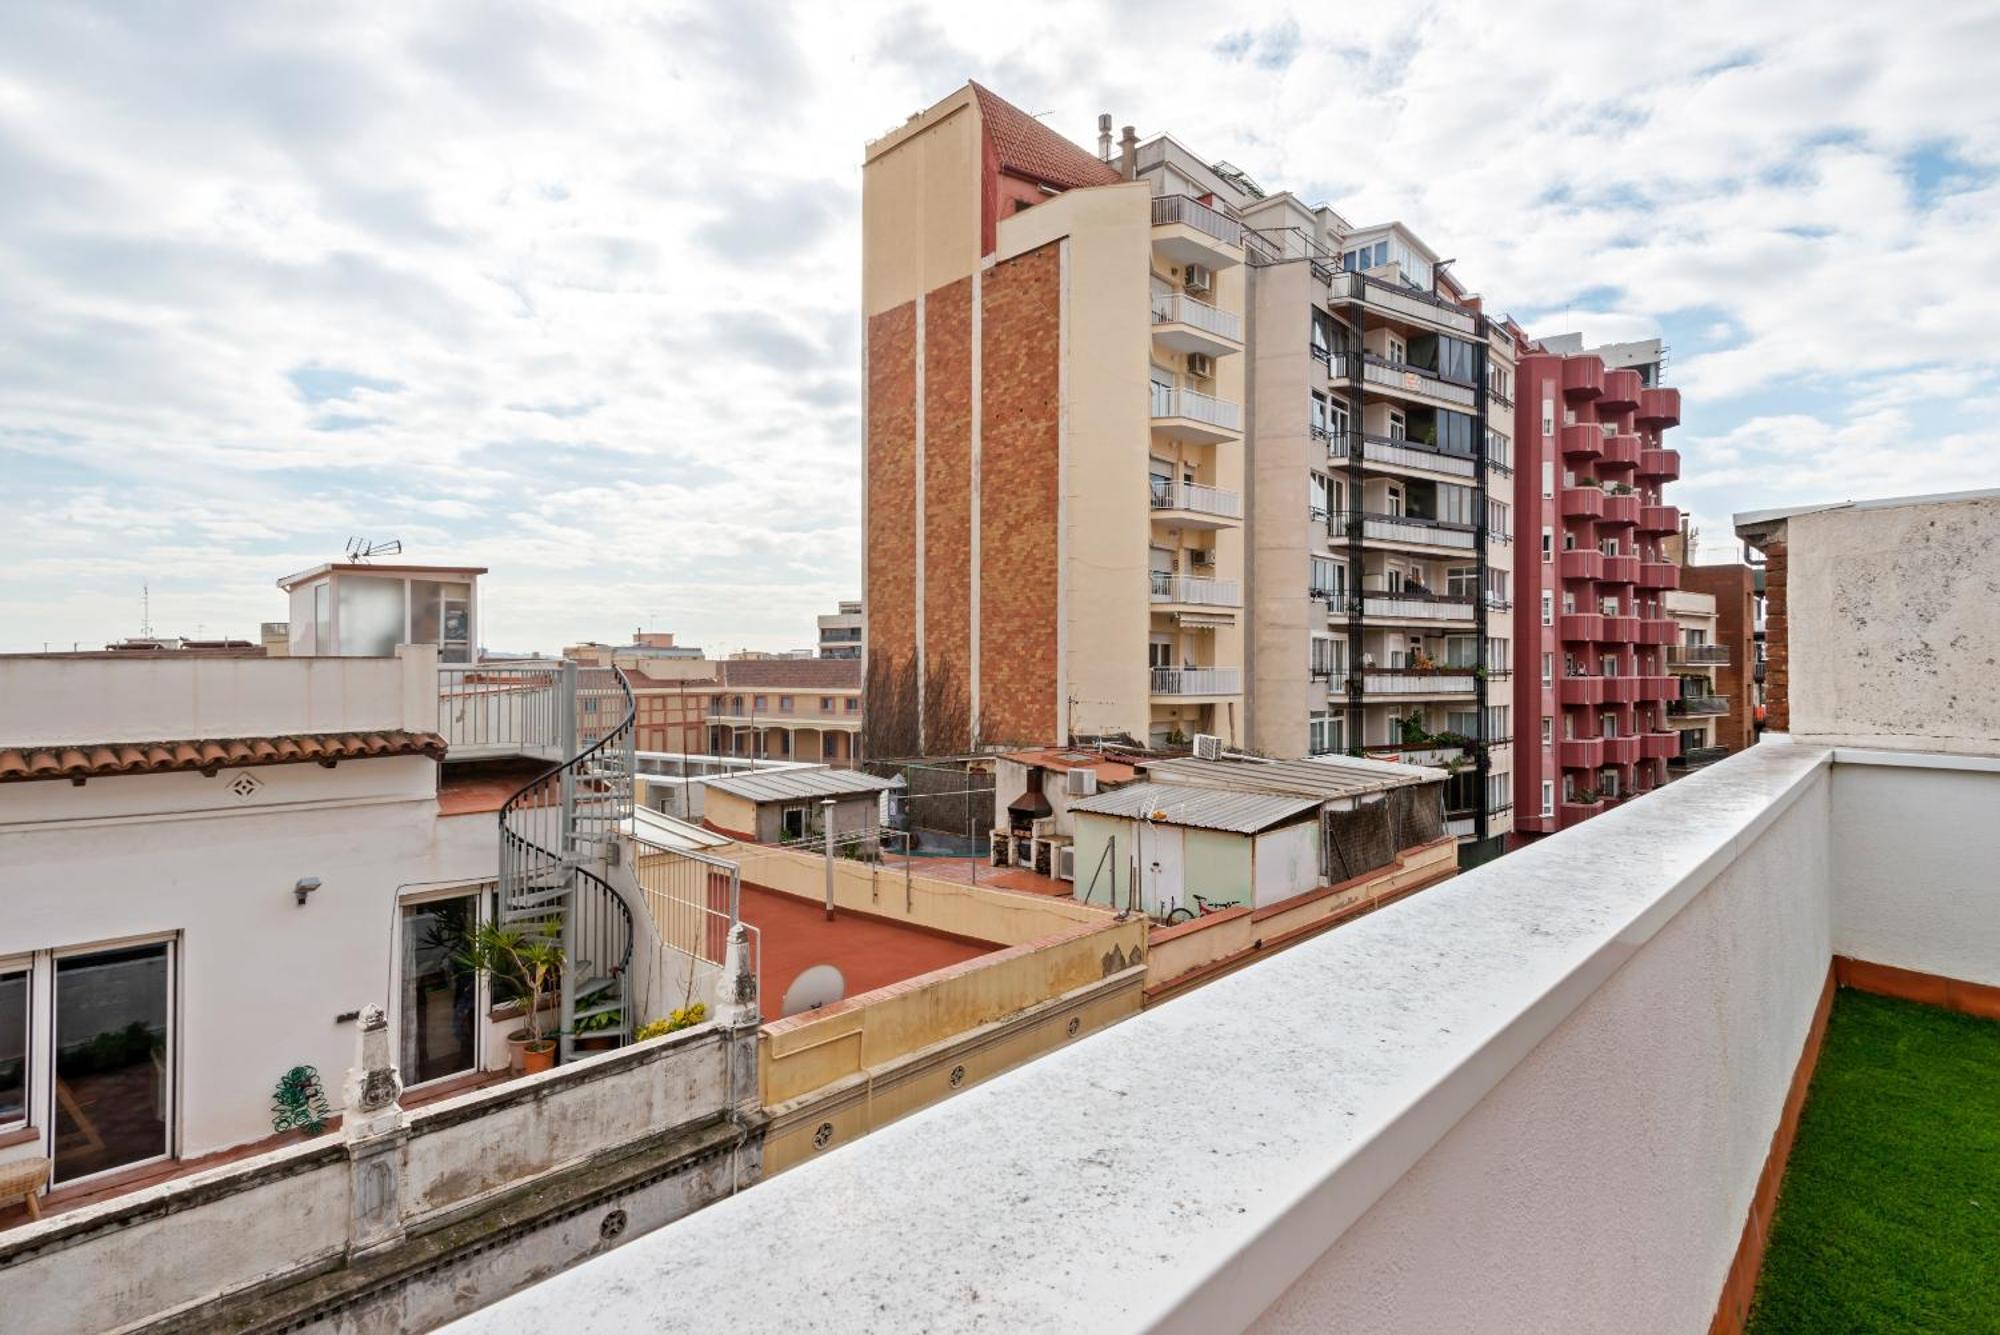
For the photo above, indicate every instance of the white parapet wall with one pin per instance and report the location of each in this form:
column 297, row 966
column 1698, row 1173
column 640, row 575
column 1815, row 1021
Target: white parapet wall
column 1538, row 1096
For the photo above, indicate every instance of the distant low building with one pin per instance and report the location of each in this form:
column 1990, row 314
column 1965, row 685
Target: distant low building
column 787, row 709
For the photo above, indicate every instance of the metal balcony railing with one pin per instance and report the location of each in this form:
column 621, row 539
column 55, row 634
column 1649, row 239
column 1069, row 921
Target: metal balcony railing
column 1415, row 454
column 1417, row 681
column 1403, row 528
column 1698, row 706
column 503, row 708
column 1175, row 401
column 1424, row 606
column 1416, row 380
column 1197, row 681
column 1193, row 213
column 1198, row 498
column 1194, row 589
column 1400, row 300
column 1698, row 655
column 1180, row 308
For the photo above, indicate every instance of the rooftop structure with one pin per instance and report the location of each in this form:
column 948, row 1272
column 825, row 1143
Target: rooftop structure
column 840, row 634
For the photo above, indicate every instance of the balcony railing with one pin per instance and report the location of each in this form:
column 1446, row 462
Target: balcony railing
column 1195, row 589
column 1179, row 308
column 1193, row 213
column 1399, row 300
column 1417, row 681
column 1197, row 498
column 1177, row 401
column 1415, row 454
column 1416, row 380
column 1417, row 607
column 1698, row 655
column 1404, row 528
column 1696, row 756
column 500, row 709
column 1197, row 681
column 1698, row 706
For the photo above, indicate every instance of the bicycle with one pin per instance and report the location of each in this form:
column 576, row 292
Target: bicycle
column 1182, row 913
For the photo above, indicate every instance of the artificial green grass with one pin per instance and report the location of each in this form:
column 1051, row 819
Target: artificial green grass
column 1889, row 1215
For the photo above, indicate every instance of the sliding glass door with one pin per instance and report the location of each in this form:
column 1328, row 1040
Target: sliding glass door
column 114, row 1060
column 440, row 994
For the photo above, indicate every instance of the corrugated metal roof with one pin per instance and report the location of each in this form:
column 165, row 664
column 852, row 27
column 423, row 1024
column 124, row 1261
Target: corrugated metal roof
column 1204, row 808
column 1326, row 776
column 792, row 784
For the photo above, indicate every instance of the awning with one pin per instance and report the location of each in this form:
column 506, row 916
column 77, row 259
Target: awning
column 1202, row 620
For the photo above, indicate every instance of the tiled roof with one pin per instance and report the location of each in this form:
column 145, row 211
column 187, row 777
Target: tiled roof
column 1027, row 147
column 100, row 760
column 805, row 674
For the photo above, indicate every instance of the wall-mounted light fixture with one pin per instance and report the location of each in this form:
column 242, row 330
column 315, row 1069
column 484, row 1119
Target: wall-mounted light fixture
column 306, row 885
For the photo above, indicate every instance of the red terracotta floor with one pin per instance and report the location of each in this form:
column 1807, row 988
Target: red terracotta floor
column 869, row 952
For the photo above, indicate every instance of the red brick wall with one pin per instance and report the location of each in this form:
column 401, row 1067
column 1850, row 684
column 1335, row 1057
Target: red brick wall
column 1735, row 626
column 890, row 524
column 948, row 497
column 1777, row 656
column 1020, row 377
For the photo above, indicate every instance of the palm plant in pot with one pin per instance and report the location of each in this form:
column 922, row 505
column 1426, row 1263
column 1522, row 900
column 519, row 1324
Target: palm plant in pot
column 530, row 959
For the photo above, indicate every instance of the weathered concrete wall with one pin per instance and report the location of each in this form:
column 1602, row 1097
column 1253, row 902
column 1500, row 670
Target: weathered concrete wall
column 1893, row 631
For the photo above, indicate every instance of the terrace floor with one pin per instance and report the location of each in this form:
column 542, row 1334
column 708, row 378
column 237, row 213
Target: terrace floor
column 1888, row 1218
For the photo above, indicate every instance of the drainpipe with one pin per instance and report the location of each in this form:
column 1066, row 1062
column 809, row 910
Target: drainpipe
column 826, row 823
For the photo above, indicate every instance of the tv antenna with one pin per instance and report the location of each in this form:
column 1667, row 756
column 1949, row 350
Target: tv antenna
column 359, row 550
column 145, row 611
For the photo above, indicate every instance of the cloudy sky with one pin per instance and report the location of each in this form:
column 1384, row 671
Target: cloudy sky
column 570, row 290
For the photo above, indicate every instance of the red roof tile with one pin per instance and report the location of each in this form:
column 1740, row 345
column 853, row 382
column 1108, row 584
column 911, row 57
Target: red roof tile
column 93, row 760
column 803, row 674
column 1026, row 147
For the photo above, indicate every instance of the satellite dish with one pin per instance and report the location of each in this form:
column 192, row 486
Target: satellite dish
column 818, row 986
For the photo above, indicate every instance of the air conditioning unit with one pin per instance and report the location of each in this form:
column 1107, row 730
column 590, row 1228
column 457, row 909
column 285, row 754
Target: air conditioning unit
column 1199, row 278
column 1080, row 782
column 1201, row 556
column 1207, row 746
column 1066, row 853
column 1201, row 366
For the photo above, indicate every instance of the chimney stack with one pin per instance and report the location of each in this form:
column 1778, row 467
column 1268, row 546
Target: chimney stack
column 1104, row 137
column 1128, row 154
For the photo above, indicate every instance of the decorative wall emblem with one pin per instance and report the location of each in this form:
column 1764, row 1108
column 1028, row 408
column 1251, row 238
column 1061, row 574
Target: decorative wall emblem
column 957, row 1076
column 245, row 786
column 823, row 1137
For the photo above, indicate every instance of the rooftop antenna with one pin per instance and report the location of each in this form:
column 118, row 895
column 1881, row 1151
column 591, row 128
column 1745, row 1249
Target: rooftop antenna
column 145, row 611
column 359, row 550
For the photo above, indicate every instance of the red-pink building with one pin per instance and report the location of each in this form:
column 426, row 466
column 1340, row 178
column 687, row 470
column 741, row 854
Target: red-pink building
column 1590, row 682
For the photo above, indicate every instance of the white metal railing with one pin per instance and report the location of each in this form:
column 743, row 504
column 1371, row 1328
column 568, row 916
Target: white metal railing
column 1384, row 295
column 1198, row 498
column 1180, row 308
column 1175, row 401
column 1441, row 681
column 1197, row 681
column 1416, row 380
column 1195, row 214
column 1386, row 529
column 1406, row 454
column 503, row 707
column 1194, row 589
column 1432, row 609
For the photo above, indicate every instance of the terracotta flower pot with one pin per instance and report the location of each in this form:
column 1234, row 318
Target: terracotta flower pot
column 537, row 1057
column 597, row 1042
column 517, row 1041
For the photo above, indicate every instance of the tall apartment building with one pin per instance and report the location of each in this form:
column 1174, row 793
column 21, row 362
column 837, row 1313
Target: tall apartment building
column 1053, row 426
column 1739, row 631
column 840, row 634
column 1591, row 627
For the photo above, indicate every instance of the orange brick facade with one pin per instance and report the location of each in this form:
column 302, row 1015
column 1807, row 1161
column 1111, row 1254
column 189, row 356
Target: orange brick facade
column 948, row 507
column 1019, row 487
column 890, row 525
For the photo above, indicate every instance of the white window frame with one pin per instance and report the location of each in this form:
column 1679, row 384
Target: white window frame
column 1548, row 608
column 1548, row 732
column 45, row 995
column 1548, row 797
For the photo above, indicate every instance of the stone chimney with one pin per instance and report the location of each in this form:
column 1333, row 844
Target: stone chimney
column 1128, row 154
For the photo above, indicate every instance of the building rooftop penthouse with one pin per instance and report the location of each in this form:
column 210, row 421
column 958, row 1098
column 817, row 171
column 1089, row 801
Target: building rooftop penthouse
column 1555, row 1092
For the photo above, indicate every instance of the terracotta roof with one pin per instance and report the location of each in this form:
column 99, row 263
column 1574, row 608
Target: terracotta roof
column 1026, row 147
column 804, row 674
column 102, row 759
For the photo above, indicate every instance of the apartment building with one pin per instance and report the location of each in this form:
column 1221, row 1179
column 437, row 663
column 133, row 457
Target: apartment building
column 1738, row 640
column 806, row 709
column 1591, row 626
column 1053, row 439
column 840, row 634
column 1697, row 706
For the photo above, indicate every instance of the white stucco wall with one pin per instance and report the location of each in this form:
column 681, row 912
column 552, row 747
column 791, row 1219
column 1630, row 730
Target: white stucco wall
column 1286, row 862
column 1915, row 844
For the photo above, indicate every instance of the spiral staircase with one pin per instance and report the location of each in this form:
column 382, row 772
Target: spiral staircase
column 558, row 836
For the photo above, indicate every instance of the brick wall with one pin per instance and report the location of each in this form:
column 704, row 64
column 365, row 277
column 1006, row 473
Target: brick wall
column 1777, row 667
column 947, row 509
column 1019, row 491
column 1735, row 624
column 890, row 457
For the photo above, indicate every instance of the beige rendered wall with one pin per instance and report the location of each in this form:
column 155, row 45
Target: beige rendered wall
column 920, row 199
column 1282, row 453
column 1105, row 432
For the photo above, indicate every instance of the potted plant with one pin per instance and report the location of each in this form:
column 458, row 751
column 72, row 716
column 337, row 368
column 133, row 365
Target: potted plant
column 598, row 1033
column 530, row 957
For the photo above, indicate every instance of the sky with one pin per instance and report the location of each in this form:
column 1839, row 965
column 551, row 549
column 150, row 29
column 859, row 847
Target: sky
column 571, row 291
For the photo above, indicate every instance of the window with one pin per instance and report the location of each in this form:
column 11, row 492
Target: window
column 1321, row 422
column 1548, row 732
column 1548, row 608
column 439, row 993
column 1322, row 333
column 1499, row 524
column 1454, row 433
column 784, row 704
column 1548, row 479
column 1326, row 733
column 1498, row 587
column 371, row 615
column 1548, row 669
column 1399, row 425
column 114, row 1063
column 1548, row 545
column 1548, row 797
column 1461, row 651
column 1548, row 411
column 1329, row 655
column 763, row 704
column 1496, row 653
column 1456, row 504
column 739, row 705
column 1497, row 796
column 1316, row 495
column 1461, row 582
column 826, row 704
column 1326, row 577
column 13, row 1046
column 853, row 705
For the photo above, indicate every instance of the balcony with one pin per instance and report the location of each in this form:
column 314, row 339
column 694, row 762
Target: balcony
column 1187, row 231
column 1621, row 509
column 1623, row 690
column 1183, row 683
column 1582, row 503
column 1619, row 630
column 1659, row 519
column 1659, row 689
column 1185, row 414
column 1621, row 391
column 1417, row 681
column 1583, row 377
column 1659, row 745
column 1697, row 706
column 1698, row 655
column 1411, row 530
column 1580, row 688
column 1581, row 627
column 1186, row 325
column 1391, row 453
column 1658, row 631
column 496, row 710
column 1194, row 591
column 1622, row 750
column 1657, row 465
column 1195, row 505
column 1621, row 454
column 1659, row 575
column 1660, row 407
column 1407, row 379
column 1417, row 607
column 1581, row 752
column 1403, row 303
column 1582, row 442
column 1581, row 563
column 1577, row 812
column 1695, row 757
column 1621, row 569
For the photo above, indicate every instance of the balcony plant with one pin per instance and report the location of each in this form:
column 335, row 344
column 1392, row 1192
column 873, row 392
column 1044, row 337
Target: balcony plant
column 529, row 958
column 598, row 1033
